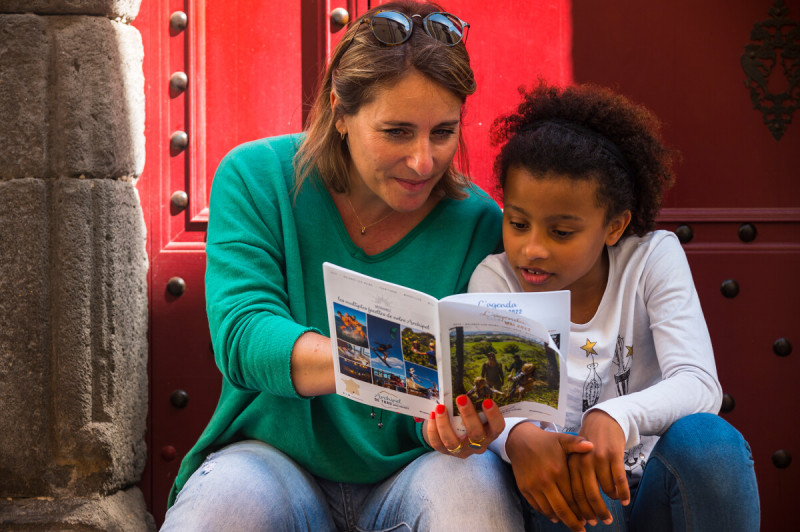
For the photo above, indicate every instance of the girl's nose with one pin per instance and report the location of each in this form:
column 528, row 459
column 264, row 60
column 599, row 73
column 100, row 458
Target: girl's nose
column 535, row 247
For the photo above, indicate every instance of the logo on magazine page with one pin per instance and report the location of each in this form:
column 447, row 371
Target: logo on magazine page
column 388, row 399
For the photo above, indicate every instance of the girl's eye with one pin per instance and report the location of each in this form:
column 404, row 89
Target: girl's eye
column 562, row 234
column 519, row 226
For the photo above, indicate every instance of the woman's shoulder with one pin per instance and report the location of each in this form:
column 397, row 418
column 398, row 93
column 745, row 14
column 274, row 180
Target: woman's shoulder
column 278, row 148
column 260, row 162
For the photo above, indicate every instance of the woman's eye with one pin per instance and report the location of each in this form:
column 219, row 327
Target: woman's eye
column 394, row 132
column 444, row 133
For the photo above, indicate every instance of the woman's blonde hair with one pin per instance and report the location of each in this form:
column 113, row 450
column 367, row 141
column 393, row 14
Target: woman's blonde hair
column 359, row 68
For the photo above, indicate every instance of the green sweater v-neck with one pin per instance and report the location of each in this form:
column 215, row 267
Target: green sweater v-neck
column 264, row 289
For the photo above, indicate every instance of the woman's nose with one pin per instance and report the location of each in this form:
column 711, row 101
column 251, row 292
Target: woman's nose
column 421, row 157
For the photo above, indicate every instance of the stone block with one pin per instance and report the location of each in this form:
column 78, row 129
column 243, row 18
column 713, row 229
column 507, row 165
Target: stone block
column 124, row 511
column 24, row 66
column 97, row 98
column 71, row 97
column 122, row 9
column 74, row 342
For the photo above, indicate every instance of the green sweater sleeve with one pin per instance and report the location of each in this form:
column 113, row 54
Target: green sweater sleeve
column 252, row 325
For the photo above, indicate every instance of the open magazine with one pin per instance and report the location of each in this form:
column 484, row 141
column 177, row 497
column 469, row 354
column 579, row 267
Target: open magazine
column 402, row 350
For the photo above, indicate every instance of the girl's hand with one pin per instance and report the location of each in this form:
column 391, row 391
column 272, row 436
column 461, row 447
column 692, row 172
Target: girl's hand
column 442, row 437
column 604, row 466
column 539, row 461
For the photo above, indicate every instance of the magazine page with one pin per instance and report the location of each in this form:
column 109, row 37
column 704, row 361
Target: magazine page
column 384, row 342
column 506, row 357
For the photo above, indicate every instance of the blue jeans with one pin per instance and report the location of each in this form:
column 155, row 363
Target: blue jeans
column 699, row 477
column 251, row 486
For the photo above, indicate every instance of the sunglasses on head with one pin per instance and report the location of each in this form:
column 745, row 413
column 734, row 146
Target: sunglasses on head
column 392, row 27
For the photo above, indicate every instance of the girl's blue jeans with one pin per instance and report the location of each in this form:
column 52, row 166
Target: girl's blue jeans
column 249, row 486
column 699, row 477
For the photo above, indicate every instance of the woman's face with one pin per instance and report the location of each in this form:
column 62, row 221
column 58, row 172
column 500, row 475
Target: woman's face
column 402, row 142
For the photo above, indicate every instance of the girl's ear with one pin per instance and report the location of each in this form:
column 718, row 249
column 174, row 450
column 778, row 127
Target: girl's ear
column 617, row 226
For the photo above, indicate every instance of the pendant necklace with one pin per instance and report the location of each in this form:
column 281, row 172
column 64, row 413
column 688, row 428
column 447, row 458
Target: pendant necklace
column 364, row 227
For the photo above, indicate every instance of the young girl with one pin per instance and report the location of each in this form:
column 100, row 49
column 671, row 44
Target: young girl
column 582, row 172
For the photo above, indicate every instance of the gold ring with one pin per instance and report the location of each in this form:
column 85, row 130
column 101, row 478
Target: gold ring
column 476, row 444
column 456, row 450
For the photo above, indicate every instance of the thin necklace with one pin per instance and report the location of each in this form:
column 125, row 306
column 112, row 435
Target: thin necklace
column 365, row 227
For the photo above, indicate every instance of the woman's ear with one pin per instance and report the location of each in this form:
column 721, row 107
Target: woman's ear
column 617, row 226
column 339, row 121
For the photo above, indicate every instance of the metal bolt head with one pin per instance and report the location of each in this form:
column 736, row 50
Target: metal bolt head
column 178, row 22
column 685, row 233
column 729, row 288
column 340, row 16
column 781, row 459
column 747, row 232
column 179, row 200
column 782, row 347
column 179, row 399
column 728, row 403
column 176, row 286
column 178, row 142
column 178, row 82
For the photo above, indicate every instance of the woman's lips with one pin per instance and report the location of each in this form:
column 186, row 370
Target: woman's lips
column 412, row 186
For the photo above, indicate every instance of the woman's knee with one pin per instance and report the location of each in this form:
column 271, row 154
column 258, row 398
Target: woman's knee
column 251, row 485
column 475, row 493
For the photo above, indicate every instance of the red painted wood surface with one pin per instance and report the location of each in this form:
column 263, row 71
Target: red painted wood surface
column 681, row 58
column 252, row 67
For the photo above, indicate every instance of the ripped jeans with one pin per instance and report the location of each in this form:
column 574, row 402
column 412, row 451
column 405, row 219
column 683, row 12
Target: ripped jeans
column 250, row 485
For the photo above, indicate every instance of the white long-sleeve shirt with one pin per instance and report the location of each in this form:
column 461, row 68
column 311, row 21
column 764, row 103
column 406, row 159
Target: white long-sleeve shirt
column 645, row 358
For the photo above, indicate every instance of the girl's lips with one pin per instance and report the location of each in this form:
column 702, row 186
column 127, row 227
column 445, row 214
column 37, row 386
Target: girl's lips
column 535, row 276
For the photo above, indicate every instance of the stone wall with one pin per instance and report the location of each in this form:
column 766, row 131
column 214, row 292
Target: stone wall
column 73, row 265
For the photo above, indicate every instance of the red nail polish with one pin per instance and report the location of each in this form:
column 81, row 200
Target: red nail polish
column 487, row 404
column 433, row 415
column 440, row 409
column 461, row 400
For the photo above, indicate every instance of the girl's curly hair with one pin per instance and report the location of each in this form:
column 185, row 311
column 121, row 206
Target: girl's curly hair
column 590, row 132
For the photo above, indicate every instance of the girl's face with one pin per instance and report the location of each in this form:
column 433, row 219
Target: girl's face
column 555, row 233
column 403, row 141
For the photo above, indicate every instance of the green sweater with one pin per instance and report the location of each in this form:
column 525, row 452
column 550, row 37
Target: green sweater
column 264, row 289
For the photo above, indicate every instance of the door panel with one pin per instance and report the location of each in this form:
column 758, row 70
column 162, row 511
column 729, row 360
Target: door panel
column 736, row 195
column 252, row 67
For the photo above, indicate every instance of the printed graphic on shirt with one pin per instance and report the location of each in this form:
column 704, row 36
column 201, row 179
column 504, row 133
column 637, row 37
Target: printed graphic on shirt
column 623, row 355
column 634, row 459
column 593, row 383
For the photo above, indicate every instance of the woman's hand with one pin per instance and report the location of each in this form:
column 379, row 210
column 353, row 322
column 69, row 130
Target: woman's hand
column 604, row 466
column 442, row 437
column 539, row 461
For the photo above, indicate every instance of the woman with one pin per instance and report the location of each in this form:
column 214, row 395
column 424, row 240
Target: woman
column 372, row 187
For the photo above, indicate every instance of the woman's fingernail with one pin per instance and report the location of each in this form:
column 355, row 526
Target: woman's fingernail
column 487, row 404
column 417, row 419
column 433, row 414
column 461, row 400
column 440, row 409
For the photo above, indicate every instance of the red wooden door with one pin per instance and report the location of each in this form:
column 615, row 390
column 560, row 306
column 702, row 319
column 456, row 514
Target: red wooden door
column 250, row 69
column 737, row 192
